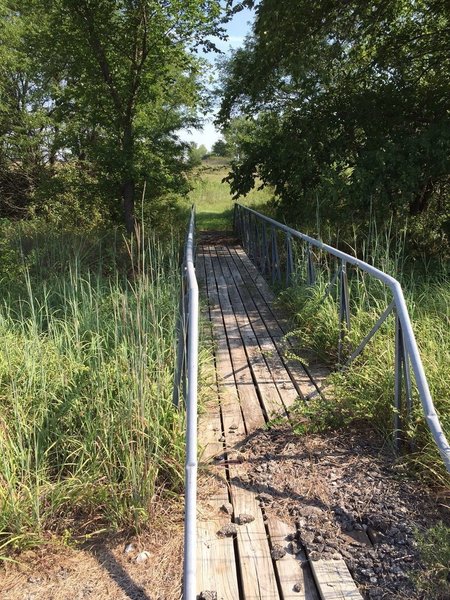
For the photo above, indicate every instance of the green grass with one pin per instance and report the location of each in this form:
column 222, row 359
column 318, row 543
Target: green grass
column 213, row 199
column 88, row 433
column 434, row 547
column 364, row 392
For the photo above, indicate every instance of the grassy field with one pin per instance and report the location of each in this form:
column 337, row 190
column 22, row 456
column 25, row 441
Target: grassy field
column 88, row 433
column 213, row 199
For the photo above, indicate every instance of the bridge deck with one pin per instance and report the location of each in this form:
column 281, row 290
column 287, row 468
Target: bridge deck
column 255, row 383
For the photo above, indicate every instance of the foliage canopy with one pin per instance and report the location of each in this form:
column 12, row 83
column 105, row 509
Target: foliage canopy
column 347, row 109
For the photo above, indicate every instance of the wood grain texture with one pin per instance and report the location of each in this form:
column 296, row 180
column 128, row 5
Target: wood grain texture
column 255, row 561
column 216, row 562
column 296, row 580
column 334, row 581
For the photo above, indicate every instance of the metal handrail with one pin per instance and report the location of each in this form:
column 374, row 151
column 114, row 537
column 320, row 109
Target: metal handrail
column 251, row 226
column 185, row 384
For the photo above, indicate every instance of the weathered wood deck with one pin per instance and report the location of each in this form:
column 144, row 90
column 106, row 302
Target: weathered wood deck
column 255, row 384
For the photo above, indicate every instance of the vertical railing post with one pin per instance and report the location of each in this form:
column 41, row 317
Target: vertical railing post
column 310, row 270
column 399, row 348
column 344, row 309
column 247, row 232
column 265, row 249
column 257, row 247
column 276, row 273
column 402, row 379
column 289, row 260
column 180, row 363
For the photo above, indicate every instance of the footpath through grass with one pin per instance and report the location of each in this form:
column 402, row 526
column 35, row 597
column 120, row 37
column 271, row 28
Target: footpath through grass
column 213, row 199
column 88, row 432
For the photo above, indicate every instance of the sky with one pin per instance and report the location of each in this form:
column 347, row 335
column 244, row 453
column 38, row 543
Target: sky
column 237, row 29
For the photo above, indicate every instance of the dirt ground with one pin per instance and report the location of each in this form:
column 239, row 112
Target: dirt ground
column 103, row 569
column 343, row 495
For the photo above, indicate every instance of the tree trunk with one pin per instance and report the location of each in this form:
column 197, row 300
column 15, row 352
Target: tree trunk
column 421, row 201
column 128, row 183
column 128, row 188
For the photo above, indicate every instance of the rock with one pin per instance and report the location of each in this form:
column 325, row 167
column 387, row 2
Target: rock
column 306, row 537
column 277, row 552
column 264, row 498
column 243, row 519
column 311, row 511
column 294, row 548
column 142, row 557
column 128, row 548
column 227, row 508
column 227, row 530
column 297, row 587
column 207, row 595
column 314, row 555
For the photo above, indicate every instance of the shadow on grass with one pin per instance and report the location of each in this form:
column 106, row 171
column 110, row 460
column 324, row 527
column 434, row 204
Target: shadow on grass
column 107, row 560
column 214, row 220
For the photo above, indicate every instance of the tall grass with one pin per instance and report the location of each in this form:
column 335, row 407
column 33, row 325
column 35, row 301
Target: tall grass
column 88, row 433
column 365, row 390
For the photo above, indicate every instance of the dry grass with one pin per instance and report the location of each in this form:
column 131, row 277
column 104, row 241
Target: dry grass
column 101, row 569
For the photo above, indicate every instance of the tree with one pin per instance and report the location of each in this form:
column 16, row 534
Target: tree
column 99, row 90
column 24, row 118
column 220, row 148
column 348, row 103
column 126, row 73
column 196, row 154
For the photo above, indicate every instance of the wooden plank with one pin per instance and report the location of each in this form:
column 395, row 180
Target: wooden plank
column 269, row 351
column 316, row 373
column 233, row 369
column 216, row 561
column 233, row 325
column 229, row 333
column 235, row 318
column 255, row 564
column 255, row 561
column 292, row 570
column 297, row 373
column 209, row 434
column 334, row 581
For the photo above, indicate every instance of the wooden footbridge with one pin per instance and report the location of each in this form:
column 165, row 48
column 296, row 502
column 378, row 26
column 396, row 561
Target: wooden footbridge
column 255, row 384
column 233, row 549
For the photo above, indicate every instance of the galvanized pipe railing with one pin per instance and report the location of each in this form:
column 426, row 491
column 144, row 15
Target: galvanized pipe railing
column 185, row 385
column 263, row 249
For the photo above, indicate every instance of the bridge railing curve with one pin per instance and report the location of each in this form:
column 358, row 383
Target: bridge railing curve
column 260, row 235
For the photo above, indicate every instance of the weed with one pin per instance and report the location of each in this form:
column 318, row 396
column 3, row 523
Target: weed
column 434, row 548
